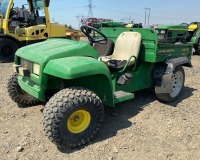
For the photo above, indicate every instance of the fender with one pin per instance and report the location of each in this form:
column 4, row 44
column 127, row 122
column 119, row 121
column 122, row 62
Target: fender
column 163, row 75
column 77, row 67
column 174, row 62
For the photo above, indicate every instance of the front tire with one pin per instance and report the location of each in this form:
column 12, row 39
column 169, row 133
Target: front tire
column 73, row 117
column 178, row 79
column 7, row 49
column 17, row 94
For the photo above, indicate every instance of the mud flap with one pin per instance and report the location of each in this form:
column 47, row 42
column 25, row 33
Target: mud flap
column 163, row 76
column 166, row 84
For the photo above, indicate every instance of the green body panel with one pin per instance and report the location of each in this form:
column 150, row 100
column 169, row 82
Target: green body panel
column 55, row 48
column 76, row 67
column 142, row 78
column 82, row 71
column 31, row 87
column 66, row 63
column 167, row 51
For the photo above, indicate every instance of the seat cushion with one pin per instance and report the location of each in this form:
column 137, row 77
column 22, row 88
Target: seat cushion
column 116, row 64
column 127, row 45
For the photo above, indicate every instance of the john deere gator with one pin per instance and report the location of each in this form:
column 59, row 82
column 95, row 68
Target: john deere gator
column 77, row 80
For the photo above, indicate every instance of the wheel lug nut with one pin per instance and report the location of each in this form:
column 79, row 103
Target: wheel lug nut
column 76, row 118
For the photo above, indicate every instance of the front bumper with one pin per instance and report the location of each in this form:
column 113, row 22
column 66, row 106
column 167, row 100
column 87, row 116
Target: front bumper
column 31, row 88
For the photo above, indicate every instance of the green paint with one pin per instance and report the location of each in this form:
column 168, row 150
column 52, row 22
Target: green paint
column 75, row 67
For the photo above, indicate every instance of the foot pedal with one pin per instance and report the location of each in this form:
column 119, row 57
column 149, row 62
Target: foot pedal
column 120, row 96
column 124, row 79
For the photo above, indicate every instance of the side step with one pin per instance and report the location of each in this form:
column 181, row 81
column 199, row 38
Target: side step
column 120, row 96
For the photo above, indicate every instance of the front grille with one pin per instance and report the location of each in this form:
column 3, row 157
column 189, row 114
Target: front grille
column 27, row 64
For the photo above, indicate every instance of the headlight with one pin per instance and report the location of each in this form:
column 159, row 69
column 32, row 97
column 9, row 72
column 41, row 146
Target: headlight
column 36, row 69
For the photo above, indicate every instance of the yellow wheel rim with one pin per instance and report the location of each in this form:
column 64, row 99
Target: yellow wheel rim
column 78, row 121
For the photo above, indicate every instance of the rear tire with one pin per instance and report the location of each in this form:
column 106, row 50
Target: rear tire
column 73, row 117
column 18, row 95
column 7, row 49
column 178, row 79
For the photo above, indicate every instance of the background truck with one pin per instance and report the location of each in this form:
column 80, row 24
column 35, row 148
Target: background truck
column 76, row 82
column 18, row 30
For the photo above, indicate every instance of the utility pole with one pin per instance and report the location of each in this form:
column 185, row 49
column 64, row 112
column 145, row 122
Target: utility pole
column 90, row 6
column 130, row 20
column 147, row 16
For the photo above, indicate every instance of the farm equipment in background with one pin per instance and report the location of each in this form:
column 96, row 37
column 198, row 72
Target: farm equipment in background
column 109, row 24
column 171, row 33
column 92, row 20
column 194, row 36
column 133, row 25
column 182, row 33
column 30, row 26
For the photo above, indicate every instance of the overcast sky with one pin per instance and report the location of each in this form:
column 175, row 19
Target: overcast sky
column 161, row 11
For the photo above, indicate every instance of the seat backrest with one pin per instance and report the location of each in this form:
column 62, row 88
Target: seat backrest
column 127, row 45
column 104, row 49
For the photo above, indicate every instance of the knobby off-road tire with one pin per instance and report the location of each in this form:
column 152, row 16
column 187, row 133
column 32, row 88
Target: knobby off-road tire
column 7, row 49
column 178, row 79
column 73, row 117
column 17, row 94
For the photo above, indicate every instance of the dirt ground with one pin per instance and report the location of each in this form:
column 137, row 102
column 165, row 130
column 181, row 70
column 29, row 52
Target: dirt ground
column 140, row 129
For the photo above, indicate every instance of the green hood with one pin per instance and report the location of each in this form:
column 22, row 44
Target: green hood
column 55, row 48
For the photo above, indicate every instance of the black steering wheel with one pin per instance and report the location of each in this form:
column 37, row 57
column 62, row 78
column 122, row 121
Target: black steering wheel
column 87, row 30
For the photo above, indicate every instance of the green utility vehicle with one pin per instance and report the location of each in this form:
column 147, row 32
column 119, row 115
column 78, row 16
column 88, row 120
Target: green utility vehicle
column 77, row 80
column 181, row 33
column 171, row 33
